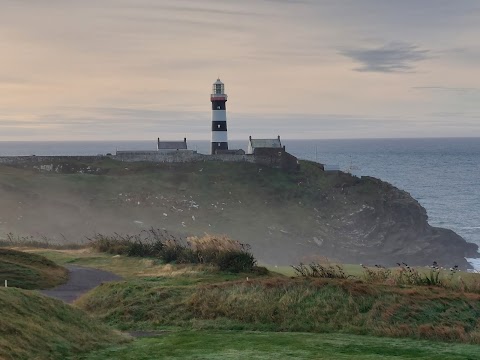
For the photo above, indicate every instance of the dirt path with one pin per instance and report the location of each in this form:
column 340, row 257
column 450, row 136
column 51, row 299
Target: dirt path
column 81, row 280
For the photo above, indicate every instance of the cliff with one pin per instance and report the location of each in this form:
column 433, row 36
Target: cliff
column 286, row 217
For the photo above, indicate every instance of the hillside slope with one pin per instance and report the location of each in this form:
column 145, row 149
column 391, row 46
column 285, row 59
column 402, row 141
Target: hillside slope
column 286, row 217
column 30, row 271
column 33, row 326
column 284, row 304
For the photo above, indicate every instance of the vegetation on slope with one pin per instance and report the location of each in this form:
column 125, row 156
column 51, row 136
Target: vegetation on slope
column 282, row 304
column 236, row 345
column 30, row 271
column 223, row 252
column 33, row 326
column 285, row 217
column 158, row 296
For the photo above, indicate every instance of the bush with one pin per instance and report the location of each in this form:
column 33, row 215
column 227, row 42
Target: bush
column 43, row 242
column 227, row 254
column 317, row 270
column 235, row 261
column 378, row 274
column 406, row 275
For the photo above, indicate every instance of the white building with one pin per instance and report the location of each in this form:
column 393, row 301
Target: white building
column 263, row 144
column 171, row 146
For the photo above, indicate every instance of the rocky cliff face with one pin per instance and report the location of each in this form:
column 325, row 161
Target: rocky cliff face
column 389, row 227
column 285, row 217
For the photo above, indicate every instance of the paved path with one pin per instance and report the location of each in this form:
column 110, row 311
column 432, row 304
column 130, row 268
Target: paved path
column 81, row 280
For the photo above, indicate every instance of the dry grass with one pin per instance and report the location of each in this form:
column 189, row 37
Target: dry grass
column 172, row 271
column 298, row 305
column 215, row 242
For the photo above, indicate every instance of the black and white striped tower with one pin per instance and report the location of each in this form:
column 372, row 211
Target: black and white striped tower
column 219, row 117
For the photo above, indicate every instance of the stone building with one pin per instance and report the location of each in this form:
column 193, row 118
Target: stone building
column 165, row 147
column 263, row 144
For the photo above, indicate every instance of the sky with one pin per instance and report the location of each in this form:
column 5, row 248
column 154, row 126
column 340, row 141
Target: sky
column 302, row 69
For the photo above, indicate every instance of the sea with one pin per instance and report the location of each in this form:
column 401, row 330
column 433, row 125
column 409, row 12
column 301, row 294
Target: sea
column 443, row 174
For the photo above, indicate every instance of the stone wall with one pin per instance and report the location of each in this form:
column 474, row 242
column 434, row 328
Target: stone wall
column 179, row 157
column 32, row 159
column 278, row 158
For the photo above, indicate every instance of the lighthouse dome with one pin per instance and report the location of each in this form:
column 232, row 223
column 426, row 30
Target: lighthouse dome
column 218, row 87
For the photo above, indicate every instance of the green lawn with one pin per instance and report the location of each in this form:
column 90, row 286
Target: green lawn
column 278, row 346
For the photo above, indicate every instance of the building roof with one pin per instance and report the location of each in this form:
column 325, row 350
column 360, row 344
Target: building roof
column 172, row 145
column 266, row 143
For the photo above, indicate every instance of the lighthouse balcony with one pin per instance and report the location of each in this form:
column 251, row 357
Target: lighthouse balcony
column 218, row 97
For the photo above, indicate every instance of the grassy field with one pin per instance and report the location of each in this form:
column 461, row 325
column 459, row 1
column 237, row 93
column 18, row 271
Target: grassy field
column 234, row 345
column 212, row 314
column 29, row 271
column 281, row 304
column 33, row 326
column 158, row 296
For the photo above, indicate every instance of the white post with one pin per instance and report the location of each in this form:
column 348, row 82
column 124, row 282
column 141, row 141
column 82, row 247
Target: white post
column 6, row 283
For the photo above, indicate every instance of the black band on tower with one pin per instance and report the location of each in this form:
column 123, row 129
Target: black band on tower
column 219, row 126
column 219, row 105
column 219, row 146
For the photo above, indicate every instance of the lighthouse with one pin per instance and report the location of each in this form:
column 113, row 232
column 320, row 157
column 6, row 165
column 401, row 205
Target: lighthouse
column 219, row 117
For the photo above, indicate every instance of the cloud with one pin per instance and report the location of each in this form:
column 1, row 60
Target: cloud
column 388, row 58
column 459, row 90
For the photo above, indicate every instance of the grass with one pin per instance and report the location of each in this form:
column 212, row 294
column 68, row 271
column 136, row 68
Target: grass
column 29, row 271
column 220, row 251
column 295, row 305
column 134, row 268
column 234, row 345
column 127, row 267
column 33, row 326
column 158, row 296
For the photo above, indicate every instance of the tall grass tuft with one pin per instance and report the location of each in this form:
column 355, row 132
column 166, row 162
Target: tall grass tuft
column 316, row 270
column 377, row 274
column 42, row 242
column 229, row 255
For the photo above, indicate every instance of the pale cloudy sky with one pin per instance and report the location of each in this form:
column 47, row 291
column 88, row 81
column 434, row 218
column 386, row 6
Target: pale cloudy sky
column 139, row 69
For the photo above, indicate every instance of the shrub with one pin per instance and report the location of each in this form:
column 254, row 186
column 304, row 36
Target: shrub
column 43, row 242
column 317, row 270
column 227, row 254
column 235, row 261
column 377, row 274
column 407, row 275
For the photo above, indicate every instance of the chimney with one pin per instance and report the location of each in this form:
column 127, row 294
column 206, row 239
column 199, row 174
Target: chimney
column 185, row 140
column 250, row 137
column 278, row 137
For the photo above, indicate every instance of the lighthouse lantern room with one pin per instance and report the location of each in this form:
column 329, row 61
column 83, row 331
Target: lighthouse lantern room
column 219, row 117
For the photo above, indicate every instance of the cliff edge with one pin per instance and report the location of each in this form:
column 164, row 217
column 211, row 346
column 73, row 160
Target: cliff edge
column 286, row 217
